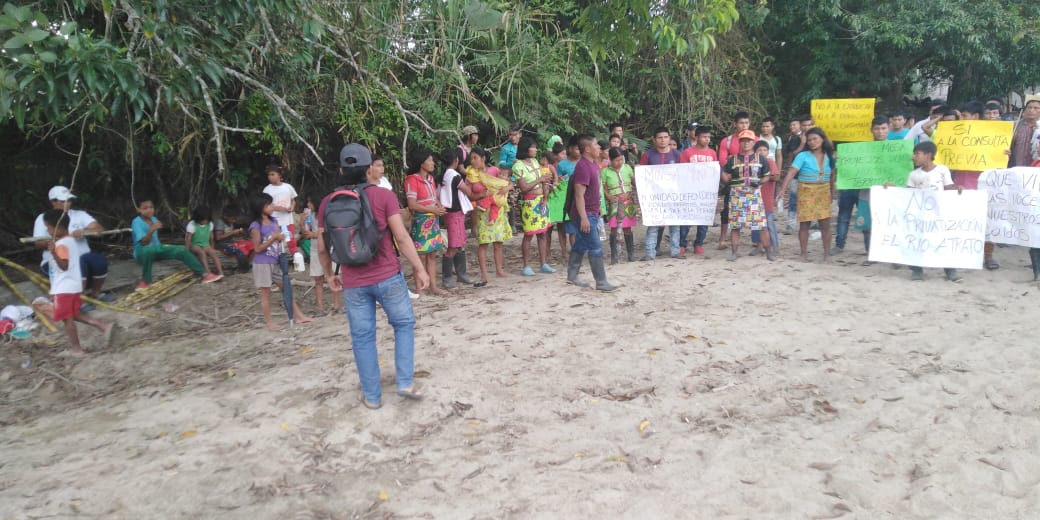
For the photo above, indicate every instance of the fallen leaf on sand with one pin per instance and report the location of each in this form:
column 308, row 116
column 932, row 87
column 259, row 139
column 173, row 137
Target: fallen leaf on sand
column 230, row 373
column 579, row 455
column 825, row 406
column 285, row 426
column 690, row 338
column 644, row 425
column 383, row 497
column 187, row 433
column 823, row 466
column 307, row 350
column 421, row 373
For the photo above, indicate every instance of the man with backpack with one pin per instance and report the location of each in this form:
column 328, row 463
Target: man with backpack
column 353, row 225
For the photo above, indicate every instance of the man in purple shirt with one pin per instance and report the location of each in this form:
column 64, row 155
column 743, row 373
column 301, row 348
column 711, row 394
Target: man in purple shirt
column 584, row 210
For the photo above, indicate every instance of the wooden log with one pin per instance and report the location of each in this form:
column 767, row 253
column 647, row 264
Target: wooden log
column 29, row 240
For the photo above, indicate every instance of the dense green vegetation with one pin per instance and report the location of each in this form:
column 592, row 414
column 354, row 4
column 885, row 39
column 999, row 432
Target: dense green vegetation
column 187, row 101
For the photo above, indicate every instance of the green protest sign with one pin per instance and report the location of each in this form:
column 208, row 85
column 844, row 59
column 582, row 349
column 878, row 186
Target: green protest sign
column 873, row 163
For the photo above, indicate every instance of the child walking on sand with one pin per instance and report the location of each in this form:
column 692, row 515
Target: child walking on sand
column 310, row 233
column 199, row 239
column 66, row 285
column 268, row 241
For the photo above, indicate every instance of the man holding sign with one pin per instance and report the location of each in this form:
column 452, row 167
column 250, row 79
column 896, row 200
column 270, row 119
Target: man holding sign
column 863, row 165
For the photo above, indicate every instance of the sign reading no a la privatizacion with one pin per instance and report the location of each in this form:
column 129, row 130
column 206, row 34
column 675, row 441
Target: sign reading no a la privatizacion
column 682, row 194
column 973, row 146
column 1014, row 205
column 928, row 228
column 846, row 120
column 862, row 165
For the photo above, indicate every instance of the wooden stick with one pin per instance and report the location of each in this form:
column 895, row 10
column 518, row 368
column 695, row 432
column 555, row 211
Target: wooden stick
column 18, row 294
column 45, row 284
column 28, row 240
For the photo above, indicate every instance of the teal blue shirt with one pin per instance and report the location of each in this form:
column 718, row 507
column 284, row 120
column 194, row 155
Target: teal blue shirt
column 140, row 229
column 507, row 156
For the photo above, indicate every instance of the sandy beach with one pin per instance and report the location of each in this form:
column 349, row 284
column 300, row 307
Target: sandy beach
column 701, row 389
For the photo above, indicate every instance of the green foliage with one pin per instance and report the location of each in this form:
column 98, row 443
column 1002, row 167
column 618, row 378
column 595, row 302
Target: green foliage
column 832, row 48
column 677, row 27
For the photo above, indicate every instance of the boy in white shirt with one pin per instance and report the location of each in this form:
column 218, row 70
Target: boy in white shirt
column 93, row 265
column 930, row 176
column 66, row 285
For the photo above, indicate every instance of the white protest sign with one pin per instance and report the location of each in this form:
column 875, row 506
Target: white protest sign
column 1014, row 205
column 927, row 228
column 682, row 194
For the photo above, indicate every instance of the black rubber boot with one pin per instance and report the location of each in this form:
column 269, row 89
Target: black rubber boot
column 573, row 266
column 615, row 250
column 599, row 272
column 630, row 248
column 460, row 268
column 1034, row 255
column 448, row 270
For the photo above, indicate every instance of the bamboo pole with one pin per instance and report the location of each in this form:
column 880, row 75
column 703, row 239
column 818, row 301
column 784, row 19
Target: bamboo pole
column 27, row 240
column 45, row 284
column 18, row 294
column 158, row 288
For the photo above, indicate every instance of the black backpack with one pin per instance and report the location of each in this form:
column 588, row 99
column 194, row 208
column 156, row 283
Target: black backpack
column 351, row 234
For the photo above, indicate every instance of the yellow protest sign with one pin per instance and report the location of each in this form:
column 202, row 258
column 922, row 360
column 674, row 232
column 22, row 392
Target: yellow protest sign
column 846, row 120
column 973, row 145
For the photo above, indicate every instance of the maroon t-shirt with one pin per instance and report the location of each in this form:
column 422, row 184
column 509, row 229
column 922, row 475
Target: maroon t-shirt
column 385, row 264
column 587, row 173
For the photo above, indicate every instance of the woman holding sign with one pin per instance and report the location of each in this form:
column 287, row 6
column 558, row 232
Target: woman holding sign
column 816, row 177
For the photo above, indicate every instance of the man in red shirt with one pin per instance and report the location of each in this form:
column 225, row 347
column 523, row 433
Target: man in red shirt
column 700, row 151
column 380, row 281
column 584, row 209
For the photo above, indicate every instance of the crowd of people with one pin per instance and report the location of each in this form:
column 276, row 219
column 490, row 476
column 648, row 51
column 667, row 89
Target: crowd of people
column 583, row 188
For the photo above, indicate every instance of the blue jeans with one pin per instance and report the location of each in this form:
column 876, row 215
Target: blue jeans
column 702, row 233
column 774, row 238
column 847, row 200
column 684, row 231
column 651, row 240
column 586, row 242
column 792, row 204
column 360, row 304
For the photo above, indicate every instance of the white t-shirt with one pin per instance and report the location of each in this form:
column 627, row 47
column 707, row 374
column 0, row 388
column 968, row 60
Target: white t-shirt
column 78, row 220
column 385, row 183
column 936, row 179
column 69, row 280
column 916, row 132
column 283, row 195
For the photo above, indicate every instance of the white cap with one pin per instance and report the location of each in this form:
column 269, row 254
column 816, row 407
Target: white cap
column 60, row 193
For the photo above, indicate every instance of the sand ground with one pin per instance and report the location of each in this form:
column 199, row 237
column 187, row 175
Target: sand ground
column 701, row 389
